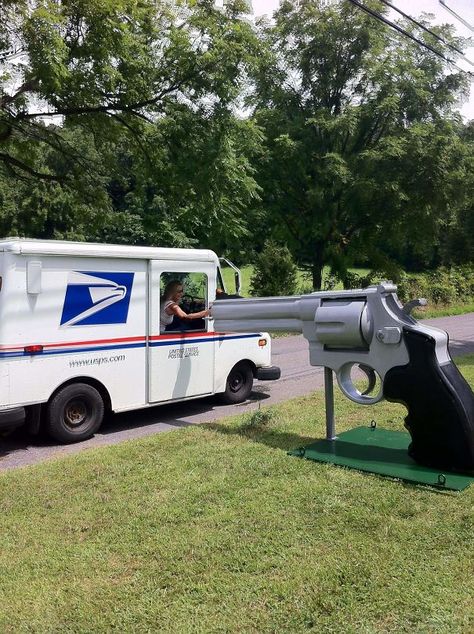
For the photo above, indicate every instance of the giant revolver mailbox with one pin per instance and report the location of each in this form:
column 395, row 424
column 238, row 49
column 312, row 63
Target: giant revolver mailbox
column 369, row 328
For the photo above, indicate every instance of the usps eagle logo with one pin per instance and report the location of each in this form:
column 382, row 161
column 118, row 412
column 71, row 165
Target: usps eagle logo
column 94, row 298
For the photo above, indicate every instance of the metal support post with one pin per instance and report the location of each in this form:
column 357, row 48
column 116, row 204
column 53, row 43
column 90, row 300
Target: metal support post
column 329, row 400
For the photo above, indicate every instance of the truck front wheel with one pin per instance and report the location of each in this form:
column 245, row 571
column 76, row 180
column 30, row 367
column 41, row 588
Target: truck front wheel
column 74, row 413
column 239, row 384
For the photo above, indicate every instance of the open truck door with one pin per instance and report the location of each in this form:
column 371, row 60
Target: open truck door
column 181, row 359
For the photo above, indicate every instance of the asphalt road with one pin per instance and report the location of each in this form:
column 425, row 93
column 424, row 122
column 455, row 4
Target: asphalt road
column 298, row 378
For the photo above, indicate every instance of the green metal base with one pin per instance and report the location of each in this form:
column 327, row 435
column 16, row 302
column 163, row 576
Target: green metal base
column 380, row 451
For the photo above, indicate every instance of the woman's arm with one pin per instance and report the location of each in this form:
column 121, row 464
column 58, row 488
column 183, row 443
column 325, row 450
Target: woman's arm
column 174, row 309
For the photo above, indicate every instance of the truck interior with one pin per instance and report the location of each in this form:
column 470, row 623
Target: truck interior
column 193, row 300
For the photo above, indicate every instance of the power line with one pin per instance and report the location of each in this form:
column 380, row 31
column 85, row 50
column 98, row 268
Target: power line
column 422, row 26
column 457, row 16
column 393, row 25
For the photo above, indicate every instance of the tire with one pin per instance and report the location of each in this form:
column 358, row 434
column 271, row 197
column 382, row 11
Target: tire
column 74, row 413
column 239, row 384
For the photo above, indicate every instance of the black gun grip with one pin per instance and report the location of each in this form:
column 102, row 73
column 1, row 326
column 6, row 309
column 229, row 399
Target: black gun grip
column 440, row 406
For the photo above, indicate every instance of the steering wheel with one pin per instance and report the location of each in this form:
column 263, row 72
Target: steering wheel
column 193, row 303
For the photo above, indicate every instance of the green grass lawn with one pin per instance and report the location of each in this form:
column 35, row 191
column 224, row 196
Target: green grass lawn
column 213, row 528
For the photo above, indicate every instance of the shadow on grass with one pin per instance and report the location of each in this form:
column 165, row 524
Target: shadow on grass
column 295, row 443
column 286, row 441
column 264, row 435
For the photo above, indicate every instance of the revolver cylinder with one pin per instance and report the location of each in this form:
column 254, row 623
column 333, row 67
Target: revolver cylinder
column 343, row 324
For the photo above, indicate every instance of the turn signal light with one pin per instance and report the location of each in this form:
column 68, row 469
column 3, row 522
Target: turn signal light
column 33, row 349
column 262, row 343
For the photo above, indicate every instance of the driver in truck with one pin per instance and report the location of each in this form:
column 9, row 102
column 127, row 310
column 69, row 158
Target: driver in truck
column 172, row 316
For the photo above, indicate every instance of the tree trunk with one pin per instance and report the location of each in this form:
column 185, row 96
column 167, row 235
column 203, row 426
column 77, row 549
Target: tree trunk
column 317, row 274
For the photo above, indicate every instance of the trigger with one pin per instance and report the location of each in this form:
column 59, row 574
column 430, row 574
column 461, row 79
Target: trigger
column 371, row 377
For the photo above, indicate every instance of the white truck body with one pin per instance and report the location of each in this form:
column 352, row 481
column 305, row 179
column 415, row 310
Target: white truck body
column 90, row 313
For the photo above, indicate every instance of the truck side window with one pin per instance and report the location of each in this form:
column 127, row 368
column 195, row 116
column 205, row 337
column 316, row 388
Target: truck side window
column 188, row 291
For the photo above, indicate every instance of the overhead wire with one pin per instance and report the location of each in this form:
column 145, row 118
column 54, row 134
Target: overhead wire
column 427, row 30
column 393, row 25
column 456, row 15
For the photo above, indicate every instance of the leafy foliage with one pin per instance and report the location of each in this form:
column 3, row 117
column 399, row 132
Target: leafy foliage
column 362, row 149
column 116, row 117
column 442, row 286
column 122, row 121
column 274, row 272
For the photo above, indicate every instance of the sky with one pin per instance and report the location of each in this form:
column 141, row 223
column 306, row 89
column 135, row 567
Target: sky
column 414, row 8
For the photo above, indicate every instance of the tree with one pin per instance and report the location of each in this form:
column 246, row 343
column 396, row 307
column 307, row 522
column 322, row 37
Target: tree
column 117, row 119
column 45, row 208
column 202, row 184
column 196, row 194
column 361, row 136
column 457, row 244
column 274, row 272
column 106, row 62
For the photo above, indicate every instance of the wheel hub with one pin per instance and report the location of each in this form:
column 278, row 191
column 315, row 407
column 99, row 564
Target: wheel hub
column 75, row 413
column 236, row 382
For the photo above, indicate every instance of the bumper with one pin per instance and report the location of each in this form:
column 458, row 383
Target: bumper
column 268, row 374
column 12, row 417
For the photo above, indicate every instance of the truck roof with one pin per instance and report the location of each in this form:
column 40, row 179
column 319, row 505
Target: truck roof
column 29, row 246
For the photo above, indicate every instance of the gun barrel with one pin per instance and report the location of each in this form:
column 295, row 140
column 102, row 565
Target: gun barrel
column 341, row 322
column 264, row 313
column 277, row 307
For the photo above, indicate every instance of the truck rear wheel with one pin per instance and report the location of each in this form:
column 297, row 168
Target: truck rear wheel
column 74, row 413
column 239, row 384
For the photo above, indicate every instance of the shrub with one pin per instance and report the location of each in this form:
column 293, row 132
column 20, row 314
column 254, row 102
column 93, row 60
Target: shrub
column 261, row 417
column 442, row 286
column 274, row 272
column 412, row 286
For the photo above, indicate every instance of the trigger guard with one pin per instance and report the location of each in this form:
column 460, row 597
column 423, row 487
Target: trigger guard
column 371, row 377
column 348, row 388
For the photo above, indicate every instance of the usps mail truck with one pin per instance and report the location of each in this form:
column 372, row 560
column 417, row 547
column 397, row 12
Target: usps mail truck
column 80, row 335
